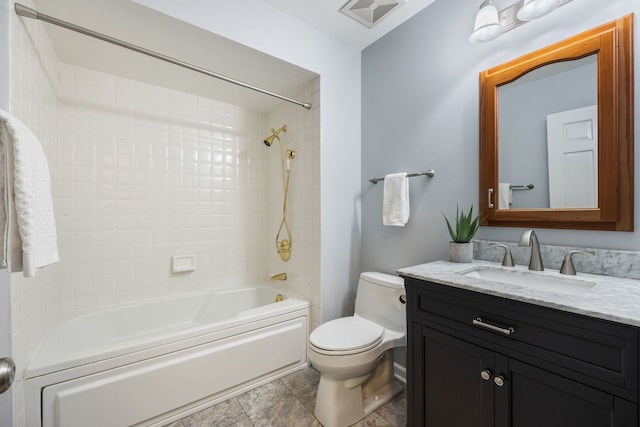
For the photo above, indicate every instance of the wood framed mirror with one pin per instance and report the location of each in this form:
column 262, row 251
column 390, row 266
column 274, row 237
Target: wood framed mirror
column 590, row 146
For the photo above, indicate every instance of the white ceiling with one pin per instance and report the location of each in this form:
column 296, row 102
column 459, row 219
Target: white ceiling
column 166, row 35
column 324, row 15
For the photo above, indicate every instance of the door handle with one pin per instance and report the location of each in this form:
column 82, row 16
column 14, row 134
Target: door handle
column 7, row 373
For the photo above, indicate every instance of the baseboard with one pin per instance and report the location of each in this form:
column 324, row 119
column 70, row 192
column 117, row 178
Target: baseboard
column 400, row 373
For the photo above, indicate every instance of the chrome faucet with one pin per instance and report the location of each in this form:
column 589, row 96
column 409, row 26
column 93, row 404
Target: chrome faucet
column 529, row 238
column 279, row 276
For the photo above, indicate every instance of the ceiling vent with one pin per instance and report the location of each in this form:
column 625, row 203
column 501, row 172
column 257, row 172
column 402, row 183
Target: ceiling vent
column 370, row 12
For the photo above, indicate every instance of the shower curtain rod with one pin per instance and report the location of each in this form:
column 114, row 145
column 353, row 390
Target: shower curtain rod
column 22, row 10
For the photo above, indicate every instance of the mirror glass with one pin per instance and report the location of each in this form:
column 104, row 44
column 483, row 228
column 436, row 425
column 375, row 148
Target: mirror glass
column 548, row 135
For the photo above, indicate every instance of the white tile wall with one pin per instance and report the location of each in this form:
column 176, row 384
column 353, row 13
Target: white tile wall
column 303, row 136
column 146, row 173
column 141, row 173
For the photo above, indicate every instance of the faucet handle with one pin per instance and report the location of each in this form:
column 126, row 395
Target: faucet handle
column 507, row 261
column 567, row 262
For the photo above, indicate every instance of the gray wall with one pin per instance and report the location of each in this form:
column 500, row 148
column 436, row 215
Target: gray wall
column 420, row 110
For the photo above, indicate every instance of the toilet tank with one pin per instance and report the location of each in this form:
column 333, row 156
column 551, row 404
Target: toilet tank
column 378, row 300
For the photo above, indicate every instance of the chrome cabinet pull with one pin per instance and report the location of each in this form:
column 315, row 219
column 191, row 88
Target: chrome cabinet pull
column 506, row 331
column 490, row 192
column 485, row 375
column 499, row 380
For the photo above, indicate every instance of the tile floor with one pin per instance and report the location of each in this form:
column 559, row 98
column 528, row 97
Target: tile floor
column 286, row 402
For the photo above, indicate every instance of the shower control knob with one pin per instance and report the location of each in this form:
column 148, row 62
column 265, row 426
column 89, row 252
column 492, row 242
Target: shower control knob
column 485, row 375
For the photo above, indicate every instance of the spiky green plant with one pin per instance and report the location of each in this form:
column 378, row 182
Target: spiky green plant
column 465, row 226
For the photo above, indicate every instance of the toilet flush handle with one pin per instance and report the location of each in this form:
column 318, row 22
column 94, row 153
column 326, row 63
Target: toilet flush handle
column 399, row 298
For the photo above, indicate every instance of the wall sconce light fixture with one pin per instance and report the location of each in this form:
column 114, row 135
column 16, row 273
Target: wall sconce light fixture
column 487, row 25
column 490, row 23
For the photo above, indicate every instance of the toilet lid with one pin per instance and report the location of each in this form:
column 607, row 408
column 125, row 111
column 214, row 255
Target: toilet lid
column 347, row 333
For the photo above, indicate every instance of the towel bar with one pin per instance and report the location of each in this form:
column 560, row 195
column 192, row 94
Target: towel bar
column 430, row 173
column 523, row 187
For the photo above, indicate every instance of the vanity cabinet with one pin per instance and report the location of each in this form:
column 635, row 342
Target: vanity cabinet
column 517, row 365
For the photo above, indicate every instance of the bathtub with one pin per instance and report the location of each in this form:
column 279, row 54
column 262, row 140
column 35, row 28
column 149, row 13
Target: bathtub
column 155, row 362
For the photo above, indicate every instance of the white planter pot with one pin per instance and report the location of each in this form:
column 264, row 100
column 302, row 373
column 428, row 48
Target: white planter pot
column 460, row 252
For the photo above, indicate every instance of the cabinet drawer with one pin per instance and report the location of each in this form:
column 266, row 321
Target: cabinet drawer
column 590, row 350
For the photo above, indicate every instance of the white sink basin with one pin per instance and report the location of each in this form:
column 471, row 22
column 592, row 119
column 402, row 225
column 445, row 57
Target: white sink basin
column 531, row 280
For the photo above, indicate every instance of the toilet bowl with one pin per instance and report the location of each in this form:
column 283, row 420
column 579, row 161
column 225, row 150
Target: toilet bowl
column 354, row 354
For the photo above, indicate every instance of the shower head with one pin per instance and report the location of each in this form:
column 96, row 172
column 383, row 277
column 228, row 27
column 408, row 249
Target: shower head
column 274, row 134
column 269, row 140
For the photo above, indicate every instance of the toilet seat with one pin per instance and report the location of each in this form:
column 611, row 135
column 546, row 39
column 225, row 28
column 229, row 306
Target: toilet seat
column 347, row 335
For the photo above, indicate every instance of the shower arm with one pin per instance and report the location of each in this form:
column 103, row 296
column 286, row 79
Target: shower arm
column 27, row 12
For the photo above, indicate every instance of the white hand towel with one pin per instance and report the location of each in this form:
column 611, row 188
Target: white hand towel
column 504, row 195
column 395, row 203
column 29, row 230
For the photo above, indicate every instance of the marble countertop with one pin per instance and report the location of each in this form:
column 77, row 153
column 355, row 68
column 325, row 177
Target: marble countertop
column 610, row 298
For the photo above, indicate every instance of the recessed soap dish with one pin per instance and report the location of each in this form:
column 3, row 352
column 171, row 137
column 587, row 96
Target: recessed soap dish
column 183, row 263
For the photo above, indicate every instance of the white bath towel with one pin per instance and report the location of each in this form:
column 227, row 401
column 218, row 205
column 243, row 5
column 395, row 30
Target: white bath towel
column 504, row 195
column 27, row 221
column 395, row 203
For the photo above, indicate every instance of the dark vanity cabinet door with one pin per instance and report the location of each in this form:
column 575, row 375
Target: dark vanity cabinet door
column 533, row 397
column 454, row 392
column 459, row 375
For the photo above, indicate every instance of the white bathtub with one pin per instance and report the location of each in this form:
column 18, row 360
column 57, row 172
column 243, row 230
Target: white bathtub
column 155, row 362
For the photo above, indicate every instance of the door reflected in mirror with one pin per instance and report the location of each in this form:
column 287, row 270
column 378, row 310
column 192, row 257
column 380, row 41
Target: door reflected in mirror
column 548, row 144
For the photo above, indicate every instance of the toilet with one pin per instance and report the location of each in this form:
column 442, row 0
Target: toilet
column 354, row 354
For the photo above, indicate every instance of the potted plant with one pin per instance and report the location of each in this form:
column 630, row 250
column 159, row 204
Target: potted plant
column 460, row 247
